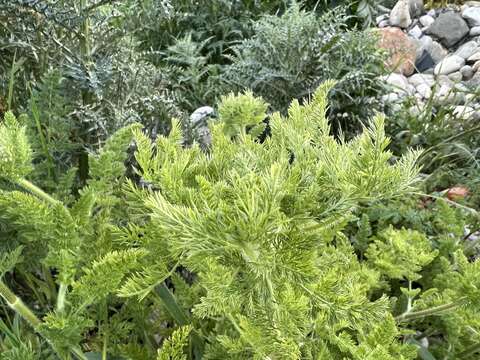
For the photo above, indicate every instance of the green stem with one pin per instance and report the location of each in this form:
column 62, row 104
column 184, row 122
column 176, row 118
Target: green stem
column 409, row 300
column 11, row 82
column 43, row 140
column 37, row 191
column 85, row 52
column 408, row 316
column 17, row 305
column 104, row 311
column 179, row 315
column 170, row 303
column 62, row 291
column 469, row 352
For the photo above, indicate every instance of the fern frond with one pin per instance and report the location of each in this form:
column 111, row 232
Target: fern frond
column 15, row 151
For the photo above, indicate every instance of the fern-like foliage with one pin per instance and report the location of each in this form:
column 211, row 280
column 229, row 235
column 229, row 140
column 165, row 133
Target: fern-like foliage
column 258, row 223
column 246, row 251
column 172, row 348
column 15, row 151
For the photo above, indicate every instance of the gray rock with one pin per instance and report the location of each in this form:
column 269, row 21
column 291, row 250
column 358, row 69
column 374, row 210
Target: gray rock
column 437, row 52
column 415, row 111
column 466, row 112
column 424, row 90
column 199, row 124
column 423, row 44
column 443, row 80
column 467, row 72
column 419, row 79
column 432, row 13
column 390, row 98
column 474, row 82
column 449, row 95
column 426, row 20
column 459, row 86
column 455, row 76
column 416, row 8
column 476, row 66
column 384, row 24
column 474, row 57
column 400, row 14
column 472, row 15
column 449, row 28
column 398, row 81
column 415, row 32
column 467, row 49
column 449, row 65
column 443, row 91
column 397, row 108
column 435, row 49
column 381, row 18
column 474, row 31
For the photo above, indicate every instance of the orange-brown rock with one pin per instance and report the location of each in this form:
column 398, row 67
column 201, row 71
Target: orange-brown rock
column 457, row 193
column 401, row 50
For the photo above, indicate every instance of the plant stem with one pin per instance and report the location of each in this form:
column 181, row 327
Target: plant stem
column 409, row 300
column 85, row 54
column 43, row 140
column 104, row 311
column 469, row 352
column 406, row 316
column 17, row 305
column 171, row 305
column 62, row 291
column 11, row 82
column 37, row 191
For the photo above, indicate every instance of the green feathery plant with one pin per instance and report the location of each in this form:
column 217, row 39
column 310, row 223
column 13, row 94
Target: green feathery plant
column 240, row 252
column 260, row 226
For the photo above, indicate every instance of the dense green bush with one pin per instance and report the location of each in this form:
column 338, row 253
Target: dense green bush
column 272, row 47
column 289, row 56
column 243, row 252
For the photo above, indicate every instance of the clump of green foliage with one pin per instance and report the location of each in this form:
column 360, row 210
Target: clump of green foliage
column 444, row 238
column 450, row 139
column 290, row 55
column 240, row 252
column 76, row 70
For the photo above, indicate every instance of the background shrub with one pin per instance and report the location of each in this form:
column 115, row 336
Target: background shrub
column 289, row 56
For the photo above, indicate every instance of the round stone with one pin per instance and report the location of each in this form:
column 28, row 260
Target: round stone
column 424, row 90
column 467, row 72
column 475, row 57
column 456, row 76
column 474, row 31
column 426, row 20
column 467, row 49
column 449, row 65
column 418, row 79
column 472, row 16
column 400, row 15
